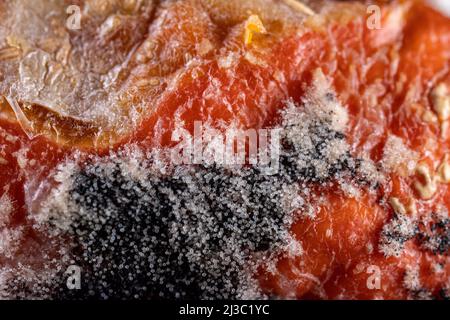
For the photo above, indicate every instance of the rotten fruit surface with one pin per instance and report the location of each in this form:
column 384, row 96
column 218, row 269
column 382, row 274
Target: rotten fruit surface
column 83, row 112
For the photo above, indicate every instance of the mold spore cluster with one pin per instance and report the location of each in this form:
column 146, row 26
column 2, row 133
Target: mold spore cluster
column 195, row 231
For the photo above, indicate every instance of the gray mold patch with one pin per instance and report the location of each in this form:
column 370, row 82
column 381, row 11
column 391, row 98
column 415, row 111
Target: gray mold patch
column 196, row 231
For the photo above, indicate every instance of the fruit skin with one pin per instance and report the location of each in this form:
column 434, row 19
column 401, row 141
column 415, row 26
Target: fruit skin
column 384, row 78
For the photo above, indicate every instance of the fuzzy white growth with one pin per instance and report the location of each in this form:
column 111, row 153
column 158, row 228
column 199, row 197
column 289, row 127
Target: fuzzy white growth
column 197, row 231
column 412, row 282
column 321, row 115
column 58, row 206
column 33, row 283
column 395, row 233
column 397, row 157
column 9, row 237
column 6, row 208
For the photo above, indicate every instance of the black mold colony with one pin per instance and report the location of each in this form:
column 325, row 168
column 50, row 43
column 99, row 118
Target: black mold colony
column 193, row 233
column 434, row 236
